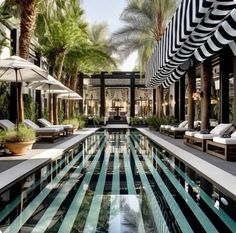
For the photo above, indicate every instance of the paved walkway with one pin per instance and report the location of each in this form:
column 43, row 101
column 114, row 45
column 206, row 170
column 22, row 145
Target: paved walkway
column 13, row 167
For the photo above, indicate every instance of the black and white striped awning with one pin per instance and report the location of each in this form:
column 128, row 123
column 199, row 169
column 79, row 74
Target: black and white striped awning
column 198, row 29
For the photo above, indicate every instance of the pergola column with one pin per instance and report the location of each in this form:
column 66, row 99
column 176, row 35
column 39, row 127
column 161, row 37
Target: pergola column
column 81, row 92
column 224, row 85
column 176, row 99
column 234, row 101
column 154, row 101
column 181, row 99
column 132, row 96
column 102, row 95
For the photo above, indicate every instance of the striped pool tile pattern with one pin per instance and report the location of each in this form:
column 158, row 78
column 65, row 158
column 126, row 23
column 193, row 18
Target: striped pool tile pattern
column 113, row 182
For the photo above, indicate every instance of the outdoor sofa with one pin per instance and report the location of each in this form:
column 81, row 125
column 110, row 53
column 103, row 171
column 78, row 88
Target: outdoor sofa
column 198, row 139
column 69, row 129
column 45, row 132
column 223, row 147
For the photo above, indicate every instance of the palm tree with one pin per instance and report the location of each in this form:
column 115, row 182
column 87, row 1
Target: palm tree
column 27, row 11
column 145, row 24
column 67, row 42
column 93, row 55
column 59, row 29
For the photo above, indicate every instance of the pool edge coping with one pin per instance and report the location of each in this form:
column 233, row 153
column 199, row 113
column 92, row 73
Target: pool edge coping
column 17, row 172
column 223, row 179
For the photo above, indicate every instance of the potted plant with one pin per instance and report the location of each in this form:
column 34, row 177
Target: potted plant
column 18, row 142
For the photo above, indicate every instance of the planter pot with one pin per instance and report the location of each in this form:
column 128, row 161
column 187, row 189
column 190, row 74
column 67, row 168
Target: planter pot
column 19, row 148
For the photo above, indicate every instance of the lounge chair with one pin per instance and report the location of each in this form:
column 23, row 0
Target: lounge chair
column 45, row 123
column 222, row 147
column 198, row 140
column 165, row 128
column 178, row 132
column 6, row 124
column 46, row 132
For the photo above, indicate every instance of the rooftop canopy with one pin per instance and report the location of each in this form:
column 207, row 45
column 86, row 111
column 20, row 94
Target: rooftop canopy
column 198, row 29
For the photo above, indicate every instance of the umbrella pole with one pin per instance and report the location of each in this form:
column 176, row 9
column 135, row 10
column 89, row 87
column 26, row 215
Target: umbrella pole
column 17, row 102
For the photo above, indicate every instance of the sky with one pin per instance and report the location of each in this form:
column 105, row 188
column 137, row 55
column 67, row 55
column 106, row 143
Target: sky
column 108, row 11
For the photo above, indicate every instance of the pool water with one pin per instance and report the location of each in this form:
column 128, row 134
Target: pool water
column 116, row 181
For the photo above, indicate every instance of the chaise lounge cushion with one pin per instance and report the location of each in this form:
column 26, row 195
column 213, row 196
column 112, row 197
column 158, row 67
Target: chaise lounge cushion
column 185, row 127
column 37, row 129
column 181, row 125
column 46, row 123
column 217, row 131
column 6, row 124
column 228, row 141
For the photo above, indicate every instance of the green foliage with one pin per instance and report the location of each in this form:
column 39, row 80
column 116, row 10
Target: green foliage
column 97, row 120
column 45, row 113
column 60, row 116
column 4, row 100
column 138, row 120
column 154, row 122
column 30, row 108
column 72, row 121
column 23, row 134
column 144, row 23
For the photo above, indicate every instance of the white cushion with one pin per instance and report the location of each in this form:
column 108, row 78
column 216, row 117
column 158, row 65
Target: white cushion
column 196, row 123
column 6, row 124
column 48, row 129
column 220, row 129
column 64, row 126
column 230, row 141
column 45, row 122
column 182, row 124
column 54, row 127
column 178, row 129
column 205, row 136
column 30, row 124
column 233, row 134
column 191, row 133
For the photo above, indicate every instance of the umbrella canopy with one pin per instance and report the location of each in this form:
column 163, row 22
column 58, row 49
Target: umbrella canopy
column 51, row 84
column 70, row 96
column 14, row 69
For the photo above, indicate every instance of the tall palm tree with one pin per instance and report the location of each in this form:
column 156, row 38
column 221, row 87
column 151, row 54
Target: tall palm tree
column 145, row 22
column 27, row 11
column 92, row 56
column 59, row 28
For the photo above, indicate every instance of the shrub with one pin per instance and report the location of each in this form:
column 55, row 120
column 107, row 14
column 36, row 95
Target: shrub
column 154, row 122
column 23, row 134
column 72, row 121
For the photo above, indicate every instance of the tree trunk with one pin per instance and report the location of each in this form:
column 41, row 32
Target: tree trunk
column 55, row 109
column 191, row 89
column 73, row 86
column 27, row 25
column 206, row 74
column 159, row 94
column 59, row 64
column 50, row 107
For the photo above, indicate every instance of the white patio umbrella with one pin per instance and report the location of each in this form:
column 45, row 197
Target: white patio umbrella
column 16, row 69
column 70, row 96
column 51, row 84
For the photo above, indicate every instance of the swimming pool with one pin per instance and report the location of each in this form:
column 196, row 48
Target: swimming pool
column 116, row 181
